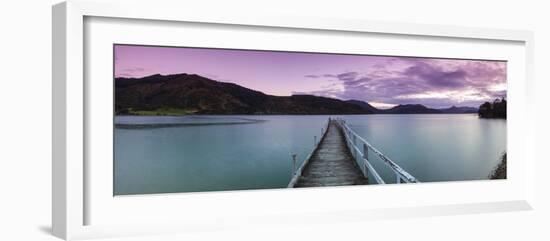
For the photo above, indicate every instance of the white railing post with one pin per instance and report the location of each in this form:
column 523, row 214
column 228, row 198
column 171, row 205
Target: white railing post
column 365, row 157
column 398, row 178
column 294, row 164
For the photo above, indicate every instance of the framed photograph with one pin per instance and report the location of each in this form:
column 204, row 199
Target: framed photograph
column 169, row 122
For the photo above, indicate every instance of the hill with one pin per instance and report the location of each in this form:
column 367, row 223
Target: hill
column 193, row 94
column 411, row 109
column 181, row 94
column 364, row 105
column 459, row 110
column 414, row 109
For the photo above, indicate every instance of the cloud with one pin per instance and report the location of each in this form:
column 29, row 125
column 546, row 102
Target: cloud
column 130, row 72
column 311, row 76
column 125, row 75
column 358, row 82
column 347, row 76
column 135, row 69
column 436, row 83
column 436, row 76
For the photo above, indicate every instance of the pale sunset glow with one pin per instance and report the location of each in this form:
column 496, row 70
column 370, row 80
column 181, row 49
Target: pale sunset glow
column 382, row 105
column 455, row 95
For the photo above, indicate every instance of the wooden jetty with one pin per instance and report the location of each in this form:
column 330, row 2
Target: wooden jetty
column 341, row 157
column 332, row 164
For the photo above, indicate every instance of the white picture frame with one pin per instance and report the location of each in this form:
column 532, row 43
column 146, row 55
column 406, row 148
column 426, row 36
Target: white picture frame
column 74, row 199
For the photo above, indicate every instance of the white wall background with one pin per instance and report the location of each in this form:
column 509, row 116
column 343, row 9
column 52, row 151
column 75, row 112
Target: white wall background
column 25, row 123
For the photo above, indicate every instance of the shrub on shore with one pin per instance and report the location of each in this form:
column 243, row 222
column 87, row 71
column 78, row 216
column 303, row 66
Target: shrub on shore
column 500, row 170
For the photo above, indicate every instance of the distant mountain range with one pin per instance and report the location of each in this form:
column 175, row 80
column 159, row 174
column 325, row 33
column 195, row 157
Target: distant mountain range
column 180, row 94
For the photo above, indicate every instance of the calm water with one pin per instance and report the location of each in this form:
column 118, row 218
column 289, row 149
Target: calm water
column 209, row 153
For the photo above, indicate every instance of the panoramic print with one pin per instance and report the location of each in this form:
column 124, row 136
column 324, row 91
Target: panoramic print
column 204, row 119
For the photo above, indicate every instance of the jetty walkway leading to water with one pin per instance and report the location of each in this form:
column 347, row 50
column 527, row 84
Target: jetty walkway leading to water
column 341, row 157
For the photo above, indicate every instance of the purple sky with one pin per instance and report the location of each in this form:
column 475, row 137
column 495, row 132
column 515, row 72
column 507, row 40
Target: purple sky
column 382, row 81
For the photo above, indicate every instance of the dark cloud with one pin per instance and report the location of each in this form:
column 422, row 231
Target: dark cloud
column 312, row 76
column 433, row 82
column 437, row 77
column 347, row 76
column 357, row 82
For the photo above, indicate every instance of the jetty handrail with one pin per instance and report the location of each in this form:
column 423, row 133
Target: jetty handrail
column 352, row 138
column 296, row 173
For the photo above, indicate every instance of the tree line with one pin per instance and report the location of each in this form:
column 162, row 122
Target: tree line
column 497, row 109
